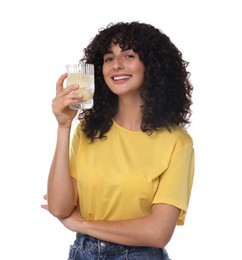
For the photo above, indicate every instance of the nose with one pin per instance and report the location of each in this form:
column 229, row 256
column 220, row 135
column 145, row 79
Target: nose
column 117, row 63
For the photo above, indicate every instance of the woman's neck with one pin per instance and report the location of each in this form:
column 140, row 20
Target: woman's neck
column 129, row 114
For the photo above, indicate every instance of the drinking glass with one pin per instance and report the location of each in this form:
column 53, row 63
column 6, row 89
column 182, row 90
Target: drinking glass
column 83, row 75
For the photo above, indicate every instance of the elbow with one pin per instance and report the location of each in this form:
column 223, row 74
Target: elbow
column 162, row 241
column 59, row 212
column 60, row 208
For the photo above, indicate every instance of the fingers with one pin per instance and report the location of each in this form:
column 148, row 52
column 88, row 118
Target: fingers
column 67, row 91
column 44, row 206
column 60, row 82
column 63, row 94
column 60, row 86
column 65, row 98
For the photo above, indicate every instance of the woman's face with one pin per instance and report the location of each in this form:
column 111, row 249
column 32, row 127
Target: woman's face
column 123, row 71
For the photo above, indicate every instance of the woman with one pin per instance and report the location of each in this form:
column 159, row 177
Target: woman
column 127, row 182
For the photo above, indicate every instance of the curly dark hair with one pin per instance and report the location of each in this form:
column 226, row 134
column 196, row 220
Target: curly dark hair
column 166, row 91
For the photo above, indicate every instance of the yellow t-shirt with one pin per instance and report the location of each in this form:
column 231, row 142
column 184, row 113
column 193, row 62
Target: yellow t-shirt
column 122, row 176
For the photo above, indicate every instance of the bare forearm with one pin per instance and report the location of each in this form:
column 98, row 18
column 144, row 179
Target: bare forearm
column 131, row 232
column 154, row 230
column 60, row 185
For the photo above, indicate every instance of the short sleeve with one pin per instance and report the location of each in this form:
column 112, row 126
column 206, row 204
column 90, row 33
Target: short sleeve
column 74, row 148
column 176, row 181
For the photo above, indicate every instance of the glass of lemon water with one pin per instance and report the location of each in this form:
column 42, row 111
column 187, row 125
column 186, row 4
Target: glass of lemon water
column 83, row 75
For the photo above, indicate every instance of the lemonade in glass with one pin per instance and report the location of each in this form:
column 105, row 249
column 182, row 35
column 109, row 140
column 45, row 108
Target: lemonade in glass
column 83, row 75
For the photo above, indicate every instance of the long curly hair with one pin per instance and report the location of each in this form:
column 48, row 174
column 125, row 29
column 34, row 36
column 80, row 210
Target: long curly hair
column 166, row 91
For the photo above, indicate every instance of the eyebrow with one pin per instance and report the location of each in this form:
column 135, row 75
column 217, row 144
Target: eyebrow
column 122, row 50
column 108, row 52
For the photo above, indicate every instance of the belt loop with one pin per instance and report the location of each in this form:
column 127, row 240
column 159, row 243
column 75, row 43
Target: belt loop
column 82, row 239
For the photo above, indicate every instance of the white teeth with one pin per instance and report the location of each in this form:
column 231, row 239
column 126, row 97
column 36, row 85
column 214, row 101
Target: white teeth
column 121, row 77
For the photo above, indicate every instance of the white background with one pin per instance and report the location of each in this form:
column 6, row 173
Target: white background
column 39, row 37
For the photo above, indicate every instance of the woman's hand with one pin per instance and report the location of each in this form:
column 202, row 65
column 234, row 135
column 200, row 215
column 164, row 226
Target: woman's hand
column 45, row 206
column 64, row 98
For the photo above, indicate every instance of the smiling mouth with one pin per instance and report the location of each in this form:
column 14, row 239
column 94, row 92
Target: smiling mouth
column 116, row 78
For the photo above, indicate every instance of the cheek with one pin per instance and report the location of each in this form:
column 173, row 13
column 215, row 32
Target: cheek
column 141, row 72
column 139, row 67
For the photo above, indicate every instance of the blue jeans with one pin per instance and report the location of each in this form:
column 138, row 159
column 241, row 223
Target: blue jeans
column 89, row 248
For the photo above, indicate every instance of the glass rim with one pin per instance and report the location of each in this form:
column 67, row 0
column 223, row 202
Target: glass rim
column 86, row 68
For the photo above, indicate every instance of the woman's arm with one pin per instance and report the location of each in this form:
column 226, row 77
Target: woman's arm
column 62, row 192
column 154, row 230
column 61, row 188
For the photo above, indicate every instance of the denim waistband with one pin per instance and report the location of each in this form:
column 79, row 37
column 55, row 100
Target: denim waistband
column 90, row 246
column 86, row 241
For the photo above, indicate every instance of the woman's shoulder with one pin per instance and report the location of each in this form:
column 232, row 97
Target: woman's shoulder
column 178, row 135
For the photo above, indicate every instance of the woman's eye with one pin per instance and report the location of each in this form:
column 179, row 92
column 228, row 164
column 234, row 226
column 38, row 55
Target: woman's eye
column 108, row 59
column 129, row 56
